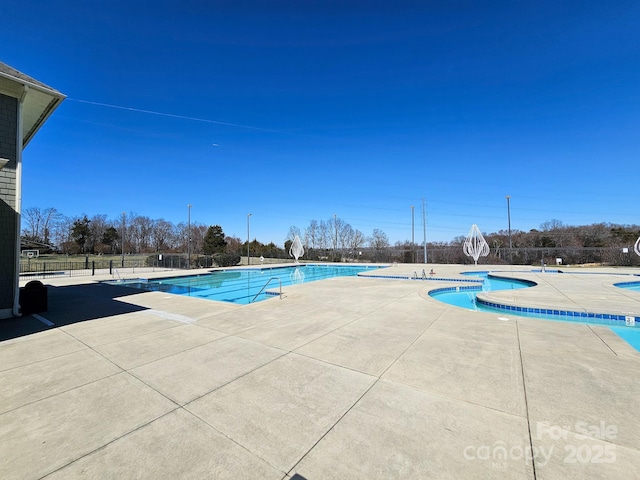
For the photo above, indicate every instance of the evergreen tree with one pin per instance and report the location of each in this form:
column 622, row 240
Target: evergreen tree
column 214, row 241
column 80, row 232
column 110, row 237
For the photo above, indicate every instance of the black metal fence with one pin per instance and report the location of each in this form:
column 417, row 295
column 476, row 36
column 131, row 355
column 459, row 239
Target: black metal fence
column 453, row 254
column 41, row 269
column 612, row 256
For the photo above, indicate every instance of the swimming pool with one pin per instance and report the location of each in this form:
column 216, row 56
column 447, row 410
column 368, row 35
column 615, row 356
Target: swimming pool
column 635, row 286
column 243, row 286
column 628, row 328
column 465, row 297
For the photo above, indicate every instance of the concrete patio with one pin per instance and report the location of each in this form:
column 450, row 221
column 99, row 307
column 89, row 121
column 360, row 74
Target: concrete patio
column 347, row 378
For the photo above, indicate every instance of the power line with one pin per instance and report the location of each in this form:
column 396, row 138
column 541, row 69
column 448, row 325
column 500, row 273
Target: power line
column 185, row 117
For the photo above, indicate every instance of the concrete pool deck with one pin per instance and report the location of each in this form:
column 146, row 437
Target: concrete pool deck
column 343, row 378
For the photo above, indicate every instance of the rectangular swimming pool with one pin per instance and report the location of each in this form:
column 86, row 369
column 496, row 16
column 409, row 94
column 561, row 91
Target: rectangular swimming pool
column 242, row 286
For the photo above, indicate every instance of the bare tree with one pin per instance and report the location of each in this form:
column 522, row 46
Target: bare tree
column 311, row 234
column 352, row 239
column 378, row 241
column 162, row 235
column 334, row 233
column 97, row 227
column 32, row 216
column 324, row 235
column 293, row 232
column 341, row 229
column 549, row 225
column 141, row 231
column 181, row 237
column 555, row 230
column 596, row 235
column 357, row 240
column 198, row 232
column 234, row 245
column 51, row 216
column 61, row 232
column 39, row 223
column 346, row 236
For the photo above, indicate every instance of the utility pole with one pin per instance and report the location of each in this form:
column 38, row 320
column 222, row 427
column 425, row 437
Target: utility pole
column 123, row 232
column 424, row 228
column 189, row 236
column 248, row 248
column 413, row 253
column 335, row 243
column 509, row 223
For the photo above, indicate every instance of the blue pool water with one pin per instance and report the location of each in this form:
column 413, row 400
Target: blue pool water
column 241, row 286
column 465, row 297
column 630, row 335
column 629, row 285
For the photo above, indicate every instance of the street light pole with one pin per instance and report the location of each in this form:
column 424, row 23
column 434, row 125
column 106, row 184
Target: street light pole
column 248, row 250
column 122, row 242
column 335, row 242
column 424, row 229
column 509, row 223
column 412, row 234
column 189, row 236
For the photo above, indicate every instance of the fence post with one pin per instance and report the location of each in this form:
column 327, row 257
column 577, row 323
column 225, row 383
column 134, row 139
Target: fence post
column 93, row 267
column 110, row 267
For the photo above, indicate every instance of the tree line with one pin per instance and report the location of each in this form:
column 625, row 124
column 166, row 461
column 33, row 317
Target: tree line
column 50, row 231
column 330, row 239
column 606, row 243
column 552, row 243
column 336, row 239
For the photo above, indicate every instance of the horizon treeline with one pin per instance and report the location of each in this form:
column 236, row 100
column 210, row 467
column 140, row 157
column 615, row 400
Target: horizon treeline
column 139, row 234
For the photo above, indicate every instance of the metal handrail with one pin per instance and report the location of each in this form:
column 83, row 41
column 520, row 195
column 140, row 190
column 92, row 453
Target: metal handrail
column 265, row 286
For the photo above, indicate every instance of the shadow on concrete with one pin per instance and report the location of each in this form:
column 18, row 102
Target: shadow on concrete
column 72, row 304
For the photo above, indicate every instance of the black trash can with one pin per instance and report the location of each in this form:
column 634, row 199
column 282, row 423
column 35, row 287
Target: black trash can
column 33, row 298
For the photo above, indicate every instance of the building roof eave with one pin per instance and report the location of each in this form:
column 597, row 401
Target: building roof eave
column 32, row 128
column 39, row 100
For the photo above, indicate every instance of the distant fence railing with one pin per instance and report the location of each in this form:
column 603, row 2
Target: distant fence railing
column 39, row 268
column 614, row 256
column 76, row 268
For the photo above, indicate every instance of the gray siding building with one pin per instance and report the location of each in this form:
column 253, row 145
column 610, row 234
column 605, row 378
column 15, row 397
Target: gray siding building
column 25, row 104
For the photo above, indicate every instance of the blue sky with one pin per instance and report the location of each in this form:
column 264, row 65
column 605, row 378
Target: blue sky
column 299, row 110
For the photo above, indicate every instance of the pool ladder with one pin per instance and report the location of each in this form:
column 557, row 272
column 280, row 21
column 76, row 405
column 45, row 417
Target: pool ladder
column 415, row 275
column 266, row 285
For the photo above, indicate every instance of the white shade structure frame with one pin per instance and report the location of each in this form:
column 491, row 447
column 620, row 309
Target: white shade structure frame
column 475, row 245
column 296, row 250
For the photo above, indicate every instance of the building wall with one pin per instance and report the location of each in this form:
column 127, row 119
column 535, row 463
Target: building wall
column 8, row 150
